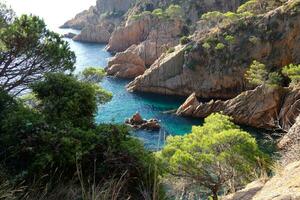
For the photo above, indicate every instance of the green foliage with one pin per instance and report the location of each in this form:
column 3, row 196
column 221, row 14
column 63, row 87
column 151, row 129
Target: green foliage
column 293, row 72
column 171, row 50
column 159, row 13
column 35, row 145
column 220, row 46
column 174, row 11
column 230, row 38
column 25, row 38
column 65, row 99
column 184, row 40
column 206, row 45
column 93, row 74
column 257, row 73
column 213, row 155
column 274, row 79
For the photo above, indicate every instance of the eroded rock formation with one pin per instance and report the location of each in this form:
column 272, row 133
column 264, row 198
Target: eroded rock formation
column 264, row 107
column 126, row 65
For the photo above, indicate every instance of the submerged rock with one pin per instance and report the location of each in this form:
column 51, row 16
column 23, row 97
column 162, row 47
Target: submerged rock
column 137, row 122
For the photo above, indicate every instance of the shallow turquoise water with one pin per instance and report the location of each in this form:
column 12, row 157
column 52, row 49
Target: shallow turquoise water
column 125, row 104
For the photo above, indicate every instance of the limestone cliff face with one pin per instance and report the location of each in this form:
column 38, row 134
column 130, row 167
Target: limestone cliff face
column 212, row 71
column 263, row 107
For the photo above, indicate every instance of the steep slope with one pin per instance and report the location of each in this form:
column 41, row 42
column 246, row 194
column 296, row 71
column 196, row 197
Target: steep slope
column 214, row 64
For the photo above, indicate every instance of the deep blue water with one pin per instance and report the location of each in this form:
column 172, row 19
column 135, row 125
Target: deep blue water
column 125, row 104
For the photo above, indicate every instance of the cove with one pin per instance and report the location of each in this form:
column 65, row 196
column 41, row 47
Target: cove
column 125, row 104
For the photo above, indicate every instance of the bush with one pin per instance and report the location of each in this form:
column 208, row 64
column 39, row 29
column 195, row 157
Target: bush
column 293, row 73
column 184, row 40
column 220, row 46
column 230, row 38
column 257, row 73
column 35, row 145
column 213, row 155
column 171, row 50
column 206, row 45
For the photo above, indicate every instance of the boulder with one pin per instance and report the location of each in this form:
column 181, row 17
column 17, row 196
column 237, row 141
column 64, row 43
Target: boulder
column 69, row 35
column 137, row 122
column 126, row 65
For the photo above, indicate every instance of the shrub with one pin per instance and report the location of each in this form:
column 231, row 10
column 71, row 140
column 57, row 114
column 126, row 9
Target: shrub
column 220, row 46
column 174, row 11
column 171, row 50
column 293, row 72
column 274, row 79
column 92, row 74
column 213, row 155
column 254, row 40
column 230, row 38
column 184, row 40
column 206, row 45
column 257, row 73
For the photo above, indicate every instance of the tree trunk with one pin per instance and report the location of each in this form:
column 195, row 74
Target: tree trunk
column 215, row 195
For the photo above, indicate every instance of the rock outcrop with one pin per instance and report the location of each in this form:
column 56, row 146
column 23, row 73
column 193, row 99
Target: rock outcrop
column 264, row 107
column 98, row 22
column 69, row 35
column 289, row 144
column 258, row 108
column 137, row 122
column 97, row 33
column 126, row 65
column 214, row 67
column 283, row 186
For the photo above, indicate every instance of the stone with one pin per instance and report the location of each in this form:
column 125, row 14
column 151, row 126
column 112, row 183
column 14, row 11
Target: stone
column 137, row 122
column 69, row 35
column 126, row 65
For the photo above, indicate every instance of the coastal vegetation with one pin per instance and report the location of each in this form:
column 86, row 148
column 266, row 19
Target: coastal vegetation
column 232, row 53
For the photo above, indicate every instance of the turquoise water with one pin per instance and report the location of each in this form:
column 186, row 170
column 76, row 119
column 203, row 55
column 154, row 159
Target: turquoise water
column 125, row 104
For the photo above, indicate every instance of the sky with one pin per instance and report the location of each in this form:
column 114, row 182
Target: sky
column 54, row 12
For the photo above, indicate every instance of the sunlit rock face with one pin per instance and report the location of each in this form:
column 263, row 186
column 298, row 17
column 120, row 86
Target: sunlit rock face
column 212, row 72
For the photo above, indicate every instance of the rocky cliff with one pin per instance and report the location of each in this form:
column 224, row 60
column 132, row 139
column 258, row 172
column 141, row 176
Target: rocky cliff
column 98, row 22
column 264, row 107
column 213, row 66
